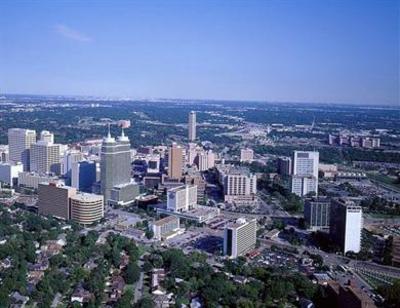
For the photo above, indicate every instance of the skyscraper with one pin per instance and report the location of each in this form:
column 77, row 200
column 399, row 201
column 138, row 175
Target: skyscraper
column 305, row 173
column 285, row 166
column 45, row 156
column 175, row 161
column 192, row 126
column 316, row 213
column 20, row 141
column 115, row 163
column 83, row 175
column 240, row 237
column 346, row 223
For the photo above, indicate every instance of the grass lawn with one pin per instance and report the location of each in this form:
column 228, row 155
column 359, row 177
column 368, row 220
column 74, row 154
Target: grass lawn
column 384, row 179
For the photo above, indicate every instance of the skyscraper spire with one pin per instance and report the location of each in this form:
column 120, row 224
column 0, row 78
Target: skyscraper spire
column 123, row 137
column 109, row 138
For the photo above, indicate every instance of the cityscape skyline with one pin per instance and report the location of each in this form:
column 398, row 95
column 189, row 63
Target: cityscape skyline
column 252, row 51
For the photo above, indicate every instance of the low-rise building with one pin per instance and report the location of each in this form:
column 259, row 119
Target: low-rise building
column 9, row 173
column 33, row 179
column 87, row 209
column 166, row 227
column 246, row 155
column 182, row 198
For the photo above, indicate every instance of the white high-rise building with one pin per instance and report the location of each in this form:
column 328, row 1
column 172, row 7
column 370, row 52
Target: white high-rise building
column 240, row 237
column 191, row 153
column 46, row 136
column 192, row 126
column 19, row 142
column 69, row 158
column 346, row 223
column 182, row 198
column 45, row 157
column 305, row 173
column 205, row 160
column 9, row 173
column 4, row 153
column 240, row 185
column 246, row 155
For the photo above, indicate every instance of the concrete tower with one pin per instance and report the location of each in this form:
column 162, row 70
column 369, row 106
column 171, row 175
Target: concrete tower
column 19, row 142
column 115, row 163
column 192, row 126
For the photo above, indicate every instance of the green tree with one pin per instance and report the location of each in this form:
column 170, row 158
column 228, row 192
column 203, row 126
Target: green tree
column 132, row 273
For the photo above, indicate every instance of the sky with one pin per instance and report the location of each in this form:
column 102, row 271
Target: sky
column 327, row 51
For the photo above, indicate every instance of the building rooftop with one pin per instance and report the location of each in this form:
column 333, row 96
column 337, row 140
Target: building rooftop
column 234, row 170
column 165, row 220
column 178, row 188
column 86, row 197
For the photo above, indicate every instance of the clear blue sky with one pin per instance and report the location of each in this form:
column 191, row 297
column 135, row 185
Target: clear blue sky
column 313, row 51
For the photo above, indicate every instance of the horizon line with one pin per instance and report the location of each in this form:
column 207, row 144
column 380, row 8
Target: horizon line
column 128, row 98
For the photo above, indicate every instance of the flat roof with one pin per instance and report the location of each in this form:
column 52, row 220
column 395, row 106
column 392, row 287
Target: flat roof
column 86, row 197
column 165, row 220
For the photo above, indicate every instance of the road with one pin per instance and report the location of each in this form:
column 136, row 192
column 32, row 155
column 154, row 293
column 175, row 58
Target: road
column 139, row 285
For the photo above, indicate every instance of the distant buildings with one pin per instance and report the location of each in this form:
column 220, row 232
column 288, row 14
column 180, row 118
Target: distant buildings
column 19, row 142
column 240, row 237
column 284, row 166
column 166, row 227
column 67, row 203
column 316, row 213
column 246, row 155
column 182, row 198
column 9, row 173
column 346, row 223
column 355, row 141
column 175, row 161
column 4, row 153
column 327, row 170
column 192, row 126
column 305, row 173
column 239, row 184
column 115, row 164
column 205, row 160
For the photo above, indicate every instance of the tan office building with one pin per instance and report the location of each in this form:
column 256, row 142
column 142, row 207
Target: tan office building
column 175, row 161
column 45, row 157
